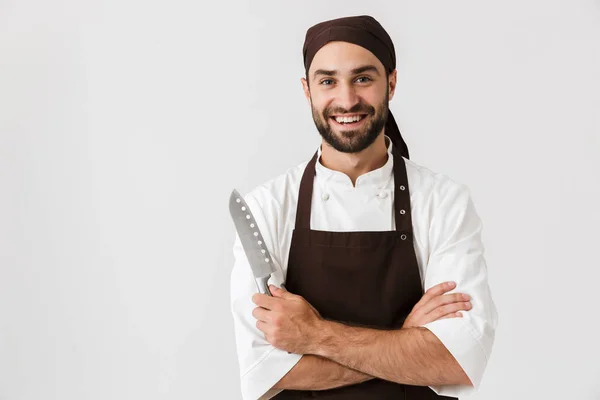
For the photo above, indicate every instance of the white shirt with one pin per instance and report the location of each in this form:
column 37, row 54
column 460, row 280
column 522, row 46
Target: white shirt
column 447, row 242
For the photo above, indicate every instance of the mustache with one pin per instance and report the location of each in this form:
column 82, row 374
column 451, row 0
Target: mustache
column 356, row 109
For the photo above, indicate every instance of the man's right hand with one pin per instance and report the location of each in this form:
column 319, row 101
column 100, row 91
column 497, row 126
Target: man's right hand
column 436, row 305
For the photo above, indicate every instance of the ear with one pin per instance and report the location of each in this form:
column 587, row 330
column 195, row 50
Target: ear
column 392, row 80
column 306, row 89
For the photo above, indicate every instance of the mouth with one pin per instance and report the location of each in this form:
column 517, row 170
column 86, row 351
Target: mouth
column 348, row 120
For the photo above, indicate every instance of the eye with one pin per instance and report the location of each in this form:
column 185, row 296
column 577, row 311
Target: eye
column 324, row 82
column 364, row 79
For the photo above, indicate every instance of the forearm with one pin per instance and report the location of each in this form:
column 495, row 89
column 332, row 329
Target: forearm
column 413, row 356
column 317, row 373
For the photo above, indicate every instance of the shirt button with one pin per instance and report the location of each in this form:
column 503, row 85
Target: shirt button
column 402, row 212
column 382, row 195
column 402, row 187
column 325, row 196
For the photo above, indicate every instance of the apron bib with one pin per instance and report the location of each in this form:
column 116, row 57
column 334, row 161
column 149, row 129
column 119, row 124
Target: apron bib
column 368, row 279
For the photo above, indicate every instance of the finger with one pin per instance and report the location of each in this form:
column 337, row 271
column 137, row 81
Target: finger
column 262, row 326
column 450, row 308
column 433, row 317
column 265, row 301
column 276, row 291
column 280, row 292
column 452, row 315
column 444, row 299
column 280, row 287
column 434, row 291
column 261, row 314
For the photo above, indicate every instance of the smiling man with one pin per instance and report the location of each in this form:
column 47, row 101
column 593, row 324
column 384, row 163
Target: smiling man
column 386, row 293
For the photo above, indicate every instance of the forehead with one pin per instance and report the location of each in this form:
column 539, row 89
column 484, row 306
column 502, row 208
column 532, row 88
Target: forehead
column 343, row 57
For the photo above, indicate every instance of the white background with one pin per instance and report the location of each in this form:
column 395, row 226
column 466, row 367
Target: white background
column 125, row 124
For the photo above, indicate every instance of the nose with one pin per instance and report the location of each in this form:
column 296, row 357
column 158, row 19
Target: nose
column 347, row 96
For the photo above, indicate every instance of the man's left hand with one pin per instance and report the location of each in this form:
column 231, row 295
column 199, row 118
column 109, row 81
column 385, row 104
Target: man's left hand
column 288, row 321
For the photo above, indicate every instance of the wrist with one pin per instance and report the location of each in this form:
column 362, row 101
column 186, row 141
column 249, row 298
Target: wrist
column 324, row 340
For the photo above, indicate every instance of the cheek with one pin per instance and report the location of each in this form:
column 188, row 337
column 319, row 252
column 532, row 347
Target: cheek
column 373, row 98
column 318, row 101
column 375, row 94
column 318, row 106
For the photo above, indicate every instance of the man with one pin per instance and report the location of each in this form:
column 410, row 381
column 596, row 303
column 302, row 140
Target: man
column 386, row 293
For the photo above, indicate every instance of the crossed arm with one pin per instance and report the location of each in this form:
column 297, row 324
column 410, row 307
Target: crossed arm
column 318, row 373
column 338, row 355
column 352, row 355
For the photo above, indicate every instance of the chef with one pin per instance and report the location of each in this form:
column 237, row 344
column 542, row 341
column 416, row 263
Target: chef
column 381, row 287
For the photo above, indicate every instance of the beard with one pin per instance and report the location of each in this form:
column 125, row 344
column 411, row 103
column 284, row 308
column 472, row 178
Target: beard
column 356, row 140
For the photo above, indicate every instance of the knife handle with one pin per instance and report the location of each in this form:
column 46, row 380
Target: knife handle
column 263, row 285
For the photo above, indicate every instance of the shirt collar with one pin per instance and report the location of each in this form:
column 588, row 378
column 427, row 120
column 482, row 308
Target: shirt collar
column 377, row 177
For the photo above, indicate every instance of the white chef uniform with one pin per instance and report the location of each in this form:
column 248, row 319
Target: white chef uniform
column 448, row 246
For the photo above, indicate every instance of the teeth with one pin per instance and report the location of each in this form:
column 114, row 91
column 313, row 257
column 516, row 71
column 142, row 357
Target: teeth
column 345, row 120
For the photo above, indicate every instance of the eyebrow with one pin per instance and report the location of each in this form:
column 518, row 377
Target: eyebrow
column 359, row 70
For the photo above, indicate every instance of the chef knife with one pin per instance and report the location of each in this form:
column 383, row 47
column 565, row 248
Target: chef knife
column 252, row 241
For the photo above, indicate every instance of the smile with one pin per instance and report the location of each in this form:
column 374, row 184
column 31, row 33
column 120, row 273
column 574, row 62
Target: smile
column 348, row 120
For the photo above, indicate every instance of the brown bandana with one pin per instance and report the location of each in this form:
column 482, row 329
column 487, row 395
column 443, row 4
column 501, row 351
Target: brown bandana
column 363, row 31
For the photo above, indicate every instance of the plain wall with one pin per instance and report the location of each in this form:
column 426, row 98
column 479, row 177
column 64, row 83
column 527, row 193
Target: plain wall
column 125, row 125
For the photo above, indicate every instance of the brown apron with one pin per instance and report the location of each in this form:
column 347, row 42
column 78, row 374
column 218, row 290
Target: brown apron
column 366, row 279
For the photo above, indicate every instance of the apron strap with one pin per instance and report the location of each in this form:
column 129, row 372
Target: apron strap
column 305, row 194
column 402, row 214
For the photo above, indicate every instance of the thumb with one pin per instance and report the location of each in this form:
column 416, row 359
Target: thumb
column 279, row 291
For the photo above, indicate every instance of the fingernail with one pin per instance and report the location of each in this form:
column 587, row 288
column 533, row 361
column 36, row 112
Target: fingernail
column 466, row 297
column 451, row 284
column 468, row 304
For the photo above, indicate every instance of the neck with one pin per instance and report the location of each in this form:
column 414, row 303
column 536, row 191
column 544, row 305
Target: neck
column 355, row 164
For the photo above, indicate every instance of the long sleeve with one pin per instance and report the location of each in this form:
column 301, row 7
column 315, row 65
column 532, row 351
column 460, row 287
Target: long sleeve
column 261, row 365
column 457, row 254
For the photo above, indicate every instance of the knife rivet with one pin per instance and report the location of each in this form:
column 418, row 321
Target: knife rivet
column 247, row 217
column 238, row 200
column 255, row 233
column 243, row 208
column 266, row 260
column 263, row 251
column 251, row 225
column 259, row 242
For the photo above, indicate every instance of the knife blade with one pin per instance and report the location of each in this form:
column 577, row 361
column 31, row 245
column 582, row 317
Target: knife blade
column 252, row 241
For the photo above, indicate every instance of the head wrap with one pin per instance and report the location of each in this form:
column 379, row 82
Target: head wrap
column 363, row 31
